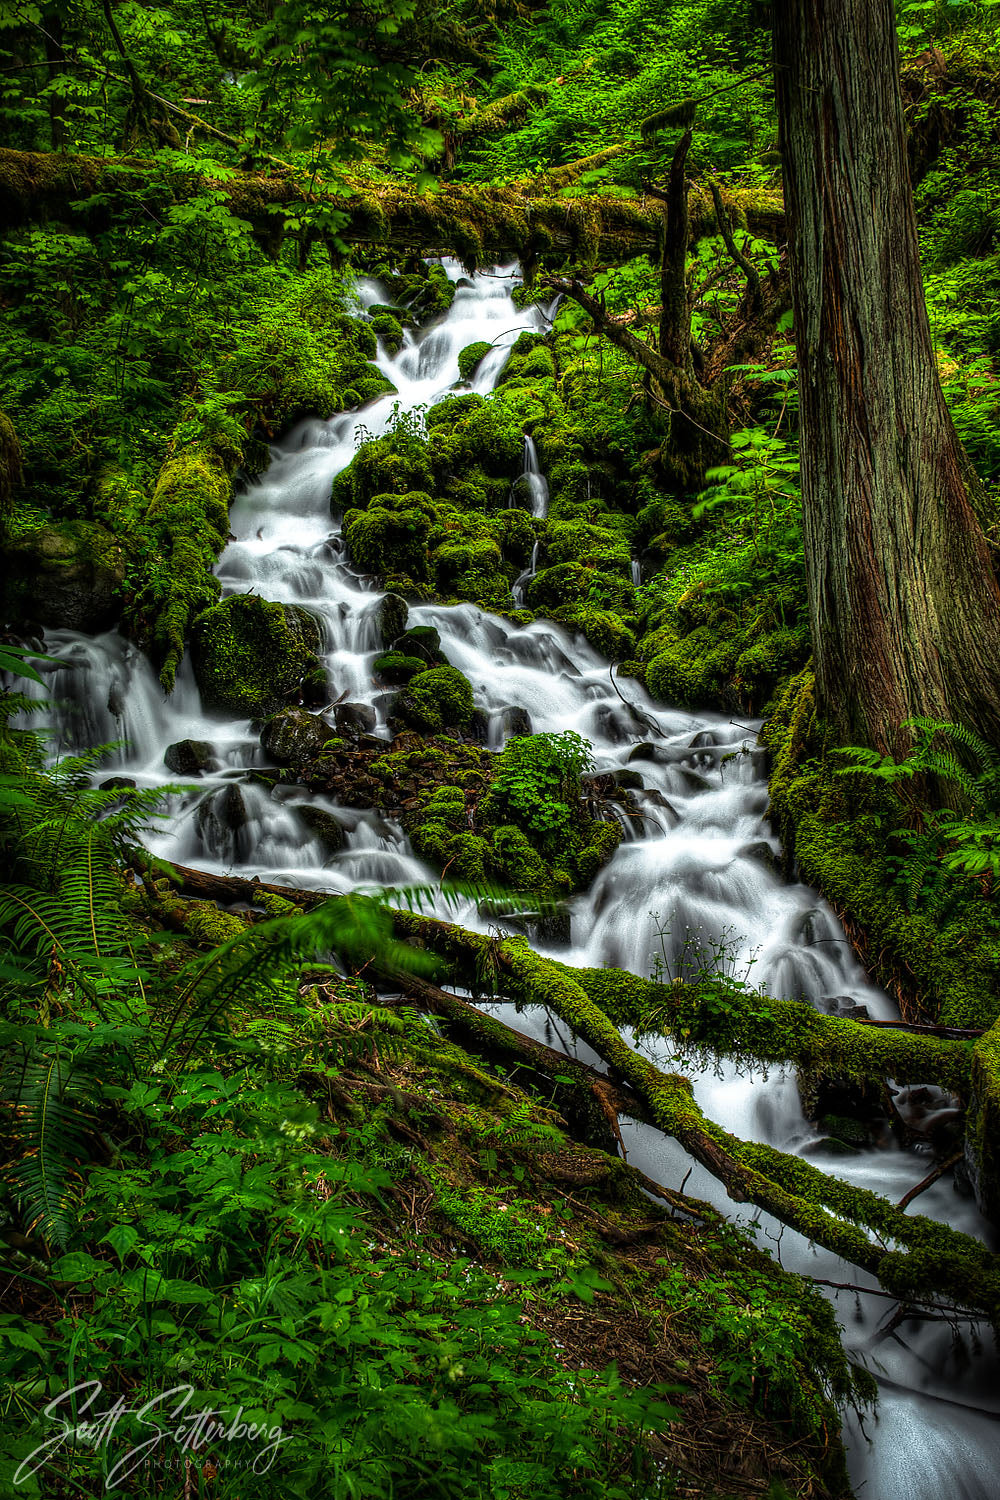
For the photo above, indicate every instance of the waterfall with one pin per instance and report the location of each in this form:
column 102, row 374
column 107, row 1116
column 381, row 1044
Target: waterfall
column 691, row 877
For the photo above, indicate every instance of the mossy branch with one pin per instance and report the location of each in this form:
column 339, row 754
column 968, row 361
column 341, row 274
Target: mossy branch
column 856, row 1224
column 475, row 222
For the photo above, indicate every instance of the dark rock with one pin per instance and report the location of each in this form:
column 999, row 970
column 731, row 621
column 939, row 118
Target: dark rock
column 645, row 751
column 515, row 721
column 353, row 718
column 630, row 781
column 325, row 826
column 761, row 853
column 67, row 575
column 479, row 726
column 393, row 613
column 423, row 642
column 222, row 823
column 293, row 736
column 117, row 784
column 694, row 781
column 189, row 757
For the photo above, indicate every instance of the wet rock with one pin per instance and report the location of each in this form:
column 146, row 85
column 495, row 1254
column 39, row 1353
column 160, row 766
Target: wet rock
column 608, row 723
column 354, row 718
column 251, row 656
column 645, row 751
column 630, row 781
column 479, row 727
column 846, row 1007
column 222, row 823
column 694, row 781
column 117, row 784
column 67, row 575
column 761, row 853
column 423, row 642
column 393, row 613
column 325, row 826
column 294, row 736
column 515, row 721
column 189, row 757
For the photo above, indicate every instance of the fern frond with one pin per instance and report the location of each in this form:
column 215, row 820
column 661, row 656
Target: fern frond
column 47, row 1092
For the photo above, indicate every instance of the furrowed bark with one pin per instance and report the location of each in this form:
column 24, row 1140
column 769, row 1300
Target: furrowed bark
column 904, row 604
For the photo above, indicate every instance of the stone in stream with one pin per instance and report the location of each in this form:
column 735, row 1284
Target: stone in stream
column 761, row 853
column 324, row 825
column 293, row 736
column 645, row 751
column 515, row 722
column 220, row 819
column 354, row 718
column 117, row 784
column 250, row 656
column 189, row 757
column 392, row 614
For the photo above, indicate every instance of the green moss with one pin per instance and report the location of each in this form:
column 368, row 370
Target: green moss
column 396, row 666
column 437, row 699
column 388, row 329
column 67, row 574
column 391, row 538
column 470, row 357
column 11, row 468
column 251, row 656
column 516, row 864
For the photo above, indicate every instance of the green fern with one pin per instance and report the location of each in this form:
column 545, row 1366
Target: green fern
column 46, row 1091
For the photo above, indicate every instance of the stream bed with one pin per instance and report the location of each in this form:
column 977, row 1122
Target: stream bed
column 695, row 874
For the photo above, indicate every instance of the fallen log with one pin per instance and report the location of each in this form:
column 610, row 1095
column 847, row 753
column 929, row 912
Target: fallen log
column 479, row 223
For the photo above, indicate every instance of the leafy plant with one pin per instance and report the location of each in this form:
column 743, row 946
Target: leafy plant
column 947, row 841
column 536, row 778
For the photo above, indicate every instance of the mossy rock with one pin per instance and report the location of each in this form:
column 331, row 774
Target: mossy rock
column 67, row 574
column 393, row 612
column 471, row 357
column 293, row 736
column 530, row 360
column 251, row 656
column 368, row 386
column 397, row 666
column 391, row 537
column 440, row 698
column 325, row 827
column 388, row 330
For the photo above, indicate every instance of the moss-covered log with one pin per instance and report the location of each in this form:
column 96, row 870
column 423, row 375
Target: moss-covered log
column 476, row 223
column 860, row 1226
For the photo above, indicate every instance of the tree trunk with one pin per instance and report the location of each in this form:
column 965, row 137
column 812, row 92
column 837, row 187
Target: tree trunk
column 904, row 604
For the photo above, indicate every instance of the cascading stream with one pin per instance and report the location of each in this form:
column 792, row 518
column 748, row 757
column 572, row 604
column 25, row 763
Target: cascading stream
column 695, row 875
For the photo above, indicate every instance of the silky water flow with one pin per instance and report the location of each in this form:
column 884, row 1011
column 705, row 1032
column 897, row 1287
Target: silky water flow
column 695, row 871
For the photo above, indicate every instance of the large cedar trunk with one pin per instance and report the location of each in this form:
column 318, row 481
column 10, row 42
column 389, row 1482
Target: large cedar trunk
column 904, row 605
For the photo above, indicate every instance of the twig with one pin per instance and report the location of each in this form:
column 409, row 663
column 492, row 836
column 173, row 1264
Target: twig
column 930, row 1179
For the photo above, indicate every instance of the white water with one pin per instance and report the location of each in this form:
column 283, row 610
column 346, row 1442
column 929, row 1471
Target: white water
column 691, row 874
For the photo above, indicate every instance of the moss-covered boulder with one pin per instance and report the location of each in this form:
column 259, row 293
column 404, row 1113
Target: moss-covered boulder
column 324, row 827
column 388, row 329
column 393, row 612
column 530, row 360
column 189, row 757
column 440, row 698
column 294, row 735
column 67, row 574
column 251, row 657
column 471, row 357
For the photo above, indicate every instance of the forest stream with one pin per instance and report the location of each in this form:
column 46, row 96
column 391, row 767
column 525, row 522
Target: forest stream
column 695, row 875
